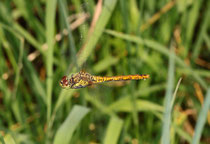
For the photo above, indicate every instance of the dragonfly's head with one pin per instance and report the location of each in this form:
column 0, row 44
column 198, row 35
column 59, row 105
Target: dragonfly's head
column 64, row 83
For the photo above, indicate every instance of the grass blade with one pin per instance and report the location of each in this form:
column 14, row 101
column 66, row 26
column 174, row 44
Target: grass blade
column 165, row 138
column 203, row 30
column 201, row 119
column 125, row 105
column 175, row 92
column 107, row 10
column 8, row 139
column 66, row 130
column 28, row 37
column 20, row 63
column 50, row 25
column 70, row 36
column 113, row 130
column 182, row 133
column 105, row 64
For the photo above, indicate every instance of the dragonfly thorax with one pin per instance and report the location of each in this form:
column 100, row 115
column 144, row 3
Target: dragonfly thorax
column 78, row 80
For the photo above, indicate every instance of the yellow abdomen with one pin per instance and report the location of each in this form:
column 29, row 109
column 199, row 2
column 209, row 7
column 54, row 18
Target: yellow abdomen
column 100, row 79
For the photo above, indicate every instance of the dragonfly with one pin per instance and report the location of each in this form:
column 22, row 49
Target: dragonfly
column 83, row 79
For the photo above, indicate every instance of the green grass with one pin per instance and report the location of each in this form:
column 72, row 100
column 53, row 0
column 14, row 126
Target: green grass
column 167, row 40
column 65, row 132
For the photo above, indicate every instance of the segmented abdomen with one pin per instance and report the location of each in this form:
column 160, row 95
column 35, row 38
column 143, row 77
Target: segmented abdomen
column 99, row 79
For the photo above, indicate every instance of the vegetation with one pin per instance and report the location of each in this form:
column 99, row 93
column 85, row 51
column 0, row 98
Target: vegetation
column 42, row 40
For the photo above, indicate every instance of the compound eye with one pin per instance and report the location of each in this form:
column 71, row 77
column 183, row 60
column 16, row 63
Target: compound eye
column 64, row 77
column 64, row 80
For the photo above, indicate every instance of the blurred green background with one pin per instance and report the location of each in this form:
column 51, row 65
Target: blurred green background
column 42, row 40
